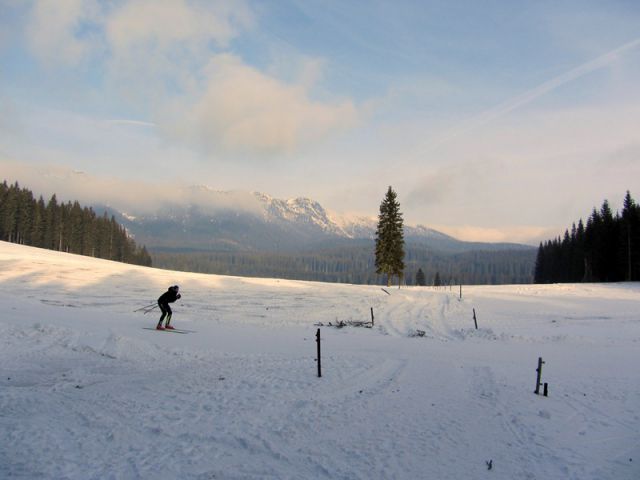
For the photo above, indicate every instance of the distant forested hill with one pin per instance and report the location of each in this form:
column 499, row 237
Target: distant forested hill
column 66, row 227
column 354, row 263
column 299, row 239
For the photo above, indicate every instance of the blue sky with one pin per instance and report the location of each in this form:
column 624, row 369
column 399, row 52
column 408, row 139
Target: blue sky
column 497, row 120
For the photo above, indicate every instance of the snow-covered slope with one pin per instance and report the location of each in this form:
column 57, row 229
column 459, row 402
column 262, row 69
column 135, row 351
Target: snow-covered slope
column 87, row 393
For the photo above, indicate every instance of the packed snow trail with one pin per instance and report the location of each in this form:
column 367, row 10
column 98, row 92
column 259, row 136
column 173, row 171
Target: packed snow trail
column 87, row 393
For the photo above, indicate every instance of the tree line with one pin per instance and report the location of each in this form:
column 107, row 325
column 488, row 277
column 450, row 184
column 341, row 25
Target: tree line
column 606, row 249
column 356, row 264
column 66, row 227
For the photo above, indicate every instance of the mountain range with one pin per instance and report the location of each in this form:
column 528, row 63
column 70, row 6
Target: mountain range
column 257, row 222
column 254, row 234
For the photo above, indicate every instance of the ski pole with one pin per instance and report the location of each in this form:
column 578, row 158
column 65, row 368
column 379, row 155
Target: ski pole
column 145, row 307
column 150, row 309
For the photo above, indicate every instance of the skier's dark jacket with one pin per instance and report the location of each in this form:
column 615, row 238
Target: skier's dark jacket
column 170, row 296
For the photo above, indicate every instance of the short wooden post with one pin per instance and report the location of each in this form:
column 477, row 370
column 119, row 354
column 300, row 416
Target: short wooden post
column 460, row 291
column 318, row 341
column 546, row 390
column 539, row 375
column 474, row 318
column 372, row 316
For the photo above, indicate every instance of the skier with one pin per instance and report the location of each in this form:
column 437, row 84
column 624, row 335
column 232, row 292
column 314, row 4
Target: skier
column 170, row 296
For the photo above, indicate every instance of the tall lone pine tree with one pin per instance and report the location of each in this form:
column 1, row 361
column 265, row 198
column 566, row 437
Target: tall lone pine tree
column 390, row 239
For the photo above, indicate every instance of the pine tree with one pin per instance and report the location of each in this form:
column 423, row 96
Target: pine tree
column 390, row 239
column 630, row 238
column 421, row 280
column 37, row 230
column 578, row 263
column 66, row 227
column 52, row 224
column 10, row 208
column 606, row 250
column 539, row 272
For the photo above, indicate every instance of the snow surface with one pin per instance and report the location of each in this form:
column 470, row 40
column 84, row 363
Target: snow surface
column 87, row 393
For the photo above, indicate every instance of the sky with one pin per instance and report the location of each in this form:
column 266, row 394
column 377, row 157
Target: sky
column 493, row 121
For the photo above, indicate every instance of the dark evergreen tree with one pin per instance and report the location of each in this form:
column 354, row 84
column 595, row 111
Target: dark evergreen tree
column 604, row 251
column 66, row 227
column 10, row 214
column 38, row 228
column 608, row 249
column 578, row 253
column 539, row 274
column 389, row 251
column 52, row 225
column 630, row 239
column 421, row 280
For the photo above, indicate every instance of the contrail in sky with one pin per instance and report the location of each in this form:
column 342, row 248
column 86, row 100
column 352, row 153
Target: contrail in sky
column 134, row 123
column 531, row 95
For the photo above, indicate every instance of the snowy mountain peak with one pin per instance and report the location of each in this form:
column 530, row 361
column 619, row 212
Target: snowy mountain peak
column 203, row 218
column 299, row 210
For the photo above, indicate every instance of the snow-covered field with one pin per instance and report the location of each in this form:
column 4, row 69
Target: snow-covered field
column 87, row 393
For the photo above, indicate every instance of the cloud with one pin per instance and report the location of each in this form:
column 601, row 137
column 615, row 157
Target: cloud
column 547, row 167
column 533, row 94
column 153, row 25
column 58, row 33
column 244, row 110
column 136, row 34
column 432, row 189
column 623, row 158
column 171, row 59
column 160, row 46
column 136, row 197
column 531, row 235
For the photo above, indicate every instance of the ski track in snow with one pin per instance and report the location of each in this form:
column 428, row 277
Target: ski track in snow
column 87, row 393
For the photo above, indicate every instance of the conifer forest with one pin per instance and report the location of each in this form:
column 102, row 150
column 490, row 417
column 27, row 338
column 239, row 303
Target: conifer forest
column 606, row 249
column 66, row 227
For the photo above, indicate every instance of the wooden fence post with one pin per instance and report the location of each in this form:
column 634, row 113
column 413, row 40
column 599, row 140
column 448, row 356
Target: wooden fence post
column 372, row 316
column 318, row 341
column 474, row 318
column 539, row 375
column 460, row 291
